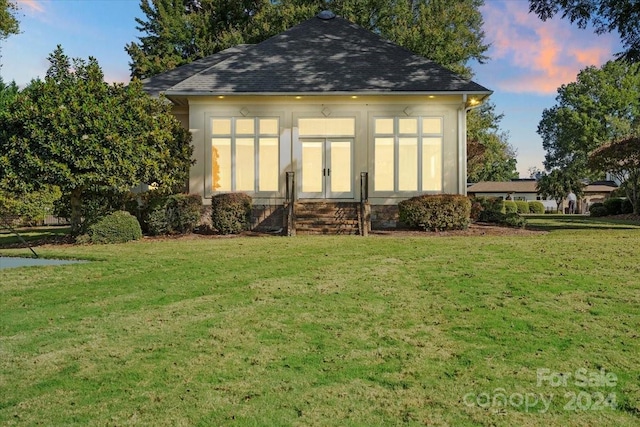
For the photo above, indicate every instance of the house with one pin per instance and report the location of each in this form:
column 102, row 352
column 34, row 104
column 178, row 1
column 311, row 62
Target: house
column 325, row 111
column 526, row 189
column 517, row 189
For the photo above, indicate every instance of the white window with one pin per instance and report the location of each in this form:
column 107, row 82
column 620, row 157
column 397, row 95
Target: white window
column 407, row 154
column 245, row 154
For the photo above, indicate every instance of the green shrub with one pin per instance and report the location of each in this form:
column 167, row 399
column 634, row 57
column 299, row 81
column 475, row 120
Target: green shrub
column 231, row 213
column 436, row 212
column 627, row 206
column 536, row 207
column 522, row 206
column 597, row 211
column 509, row 206
column 613, row 205
column 97, row 203
column 514, row 220
column 118, row 227
column 142, row 204
column 482, row 204
column 175, row 214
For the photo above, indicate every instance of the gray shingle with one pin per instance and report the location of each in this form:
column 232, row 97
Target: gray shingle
column 316, row 56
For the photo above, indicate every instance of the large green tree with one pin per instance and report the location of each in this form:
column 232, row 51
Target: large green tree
column 75, row 131
column 602, row 105
column 8, row 93
column 8, row 22
column 622, row 160
column 176, row 32
column 605, row 16
column 490, row 157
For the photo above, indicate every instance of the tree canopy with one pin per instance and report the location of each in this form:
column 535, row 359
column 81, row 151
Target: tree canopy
column 622, row 160
column 606, row 16
column 601, row 106
column 176, row 32
column 490, row 157
column 8, row 22
column 8, row 92
column 558, row 184
column 75, row 131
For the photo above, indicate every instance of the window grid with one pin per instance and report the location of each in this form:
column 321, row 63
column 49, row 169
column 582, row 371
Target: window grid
column 402, row 134
column 235, row 132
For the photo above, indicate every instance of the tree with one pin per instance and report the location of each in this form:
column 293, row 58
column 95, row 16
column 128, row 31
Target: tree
column 75, row 131
column 622, row 160
column 602, row 105
column 8, row 22
column 180, row 31
column 490, row 157
column 8, row 93
column 176, row 32
column 558, row 184
column 605, row 16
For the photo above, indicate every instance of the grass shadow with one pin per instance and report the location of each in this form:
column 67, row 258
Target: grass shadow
column 35, row 236
column 578, row 222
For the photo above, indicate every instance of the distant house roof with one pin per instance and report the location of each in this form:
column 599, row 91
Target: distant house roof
column 325, row 54
column 529, row 186
column 519, row 186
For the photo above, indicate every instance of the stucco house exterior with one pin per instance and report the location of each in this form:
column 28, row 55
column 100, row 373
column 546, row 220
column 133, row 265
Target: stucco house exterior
column 325, row 111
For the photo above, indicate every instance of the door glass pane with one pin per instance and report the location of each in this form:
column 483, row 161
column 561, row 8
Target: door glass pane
column 245, row 126
column 245, row 164
column 221, row 126
column 312, row 179
column 268, row 126
column 432, row 125
column 268, row 164
column 327, row 126
column 221, row 164
column 384, row 126
column 408, row 164
column 408, row 125
column 383, row 164
column 340, row 166
column 431, row 164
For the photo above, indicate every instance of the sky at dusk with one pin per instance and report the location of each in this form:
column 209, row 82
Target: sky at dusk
column 529, row 59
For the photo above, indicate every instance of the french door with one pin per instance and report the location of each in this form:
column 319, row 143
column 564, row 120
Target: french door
column 326, row 168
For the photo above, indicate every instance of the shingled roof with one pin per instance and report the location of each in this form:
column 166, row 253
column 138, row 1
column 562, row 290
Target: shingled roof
column 325, row 54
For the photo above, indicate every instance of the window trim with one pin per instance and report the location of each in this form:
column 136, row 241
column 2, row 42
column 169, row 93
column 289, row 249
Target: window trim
column 233, row 136
column 396, row 136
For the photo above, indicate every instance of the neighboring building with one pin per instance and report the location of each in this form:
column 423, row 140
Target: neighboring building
column 526, row 189
column 517, row 189
column 326, row 105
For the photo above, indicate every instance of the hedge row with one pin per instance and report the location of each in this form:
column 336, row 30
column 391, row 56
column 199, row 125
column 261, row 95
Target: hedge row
column 498, row 211
column 612, row 206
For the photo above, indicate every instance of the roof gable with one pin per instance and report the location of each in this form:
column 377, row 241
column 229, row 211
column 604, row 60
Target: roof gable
column 316, row 56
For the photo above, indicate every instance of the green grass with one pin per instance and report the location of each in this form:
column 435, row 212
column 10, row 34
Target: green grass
column 325, row 331
column 33, row 235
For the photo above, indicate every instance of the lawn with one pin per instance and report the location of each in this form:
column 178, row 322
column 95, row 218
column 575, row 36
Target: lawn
column 485, row 330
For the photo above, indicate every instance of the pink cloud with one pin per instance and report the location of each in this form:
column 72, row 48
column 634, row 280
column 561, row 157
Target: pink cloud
column 541, row 56
column 32, row 5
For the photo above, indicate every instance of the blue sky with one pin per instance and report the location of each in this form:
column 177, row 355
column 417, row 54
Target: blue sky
column 530, row 59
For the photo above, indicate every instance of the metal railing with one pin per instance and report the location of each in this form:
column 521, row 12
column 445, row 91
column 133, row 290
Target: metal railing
column 290, row 187
column 365, row 209
column 290, row 198
column 364, row 186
